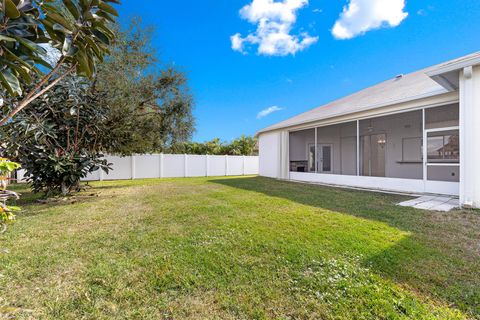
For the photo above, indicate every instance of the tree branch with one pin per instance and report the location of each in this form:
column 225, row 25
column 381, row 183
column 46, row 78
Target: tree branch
column 29, row 98
column 45, row 79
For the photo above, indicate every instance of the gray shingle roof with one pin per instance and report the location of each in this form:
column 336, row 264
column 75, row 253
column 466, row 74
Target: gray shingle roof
column 409, row 87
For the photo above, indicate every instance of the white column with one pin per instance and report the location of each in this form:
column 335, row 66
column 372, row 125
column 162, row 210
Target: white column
column 424, row 152
column 358, row 147
column 161, row 165
column 284, row 155
column 316, row 150
column 132, row 168
column 470, row 137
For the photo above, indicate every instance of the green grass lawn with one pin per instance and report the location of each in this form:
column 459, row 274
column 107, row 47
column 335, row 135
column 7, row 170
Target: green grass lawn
column 237, row 248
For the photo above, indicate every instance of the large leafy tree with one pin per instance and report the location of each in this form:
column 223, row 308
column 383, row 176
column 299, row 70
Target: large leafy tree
column 58, row 139
column 150, row 105
column 31, row 30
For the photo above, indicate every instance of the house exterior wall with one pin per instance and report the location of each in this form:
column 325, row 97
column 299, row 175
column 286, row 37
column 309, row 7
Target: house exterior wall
column 269, row 153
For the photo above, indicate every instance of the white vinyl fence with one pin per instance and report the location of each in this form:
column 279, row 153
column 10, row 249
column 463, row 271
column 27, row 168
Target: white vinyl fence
column 173, row 166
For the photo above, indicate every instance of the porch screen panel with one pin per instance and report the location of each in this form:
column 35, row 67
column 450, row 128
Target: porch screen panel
column 302, row 151
column 443, row 173
column 337, row 149
column 391, row 146
column 443, row 143
column 442, row 117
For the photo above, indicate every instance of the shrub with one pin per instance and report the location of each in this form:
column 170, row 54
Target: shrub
column 6, row 211
column 58, row 139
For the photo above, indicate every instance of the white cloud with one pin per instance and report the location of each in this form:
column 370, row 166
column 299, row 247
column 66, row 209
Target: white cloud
column 268, row 111
column 361, row 16
column 425, row 12
column 274, row 22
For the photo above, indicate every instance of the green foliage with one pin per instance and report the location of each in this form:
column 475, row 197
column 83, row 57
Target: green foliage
column 78, row 29
column 150, row 108
column 7, row 212
column 58, row 139
column 20, row 36
column 244, row 145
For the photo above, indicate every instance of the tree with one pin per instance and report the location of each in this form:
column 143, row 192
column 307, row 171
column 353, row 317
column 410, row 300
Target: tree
column 150, row 108
column 244, row 145
column 58, row 138
column 30, row 30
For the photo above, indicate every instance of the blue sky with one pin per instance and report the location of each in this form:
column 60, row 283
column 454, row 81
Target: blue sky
column 288, row 58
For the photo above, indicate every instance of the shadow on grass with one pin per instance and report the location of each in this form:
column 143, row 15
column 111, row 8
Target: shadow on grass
column 426, row 260
column 33, row 204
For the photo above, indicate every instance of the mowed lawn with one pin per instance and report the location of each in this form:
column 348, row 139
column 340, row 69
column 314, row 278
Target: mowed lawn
column 237, row 248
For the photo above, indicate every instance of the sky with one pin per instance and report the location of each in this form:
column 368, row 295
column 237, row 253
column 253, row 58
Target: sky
column 252, row 63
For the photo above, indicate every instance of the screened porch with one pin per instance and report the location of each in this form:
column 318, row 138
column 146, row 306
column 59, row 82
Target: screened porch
column 385, row 152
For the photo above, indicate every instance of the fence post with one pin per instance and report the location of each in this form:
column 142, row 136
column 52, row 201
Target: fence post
column 226, row 165
column 243, row 165
column 161, row 165
column 132, row 166
column 185, row 161
column 206, row 165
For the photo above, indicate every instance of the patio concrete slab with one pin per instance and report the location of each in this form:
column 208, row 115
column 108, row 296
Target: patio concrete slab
column 433, row 203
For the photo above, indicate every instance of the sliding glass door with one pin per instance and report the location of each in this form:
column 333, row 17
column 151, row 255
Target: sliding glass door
column 372, row 150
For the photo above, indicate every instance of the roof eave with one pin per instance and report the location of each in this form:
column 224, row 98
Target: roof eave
column 375, row 107
column 453, row 67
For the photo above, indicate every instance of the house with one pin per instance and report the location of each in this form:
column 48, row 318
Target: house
column 416, row 133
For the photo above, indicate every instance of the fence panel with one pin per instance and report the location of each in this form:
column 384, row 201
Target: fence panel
column 235, row 166
column 95, row 176
column 196, row 166
column 172, row 166
column 147, row 166
column 251, row 165
column 122, row 168
column 216, row 166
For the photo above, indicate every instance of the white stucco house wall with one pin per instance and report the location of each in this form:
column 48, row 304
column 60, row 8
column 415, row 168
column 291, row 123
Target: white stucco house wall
column 416, row 133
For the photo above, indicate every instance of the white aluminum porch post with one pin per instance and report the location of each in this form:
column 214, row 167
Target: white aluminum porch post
column 358, row 147
column 284, row 155
column 424, row 152
column 470, row 137
column 316, row 151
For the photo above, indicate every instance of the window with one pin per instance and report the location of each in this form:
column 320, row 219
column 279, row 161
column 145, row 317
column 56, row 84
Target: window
column 443, row 147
